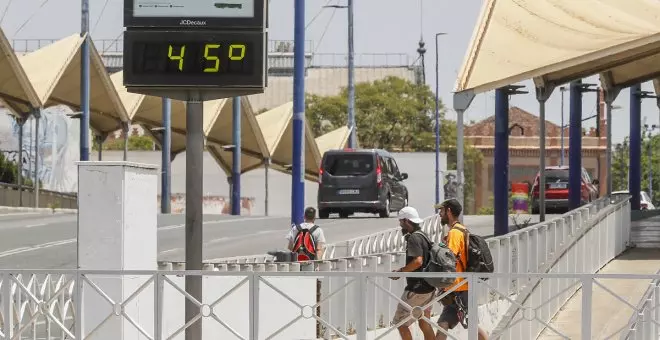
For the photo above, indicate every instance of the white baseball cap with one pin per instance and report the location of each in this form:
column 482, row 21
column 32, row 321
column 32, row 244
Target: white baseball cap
column 410, row 214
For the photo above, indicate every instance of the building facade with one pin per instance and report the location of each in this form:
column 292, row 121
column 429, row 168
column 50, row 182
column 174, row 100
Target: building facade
column 524, row 150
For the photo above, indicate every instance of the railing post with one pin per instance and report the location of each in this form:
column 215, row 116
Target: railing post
column 362, row 306
column 587, row 288
column 473, row 307
column 158, row 306
column 254, row 305
column 7, row 310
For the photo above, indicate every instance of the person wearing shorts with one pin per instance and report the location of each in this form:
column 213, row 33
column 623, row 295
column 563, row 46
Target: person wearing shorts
column 418, row 293
column 455, row 303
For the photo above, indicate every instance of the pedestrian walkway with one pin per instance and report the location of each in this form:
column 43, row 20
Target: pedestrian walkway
column 609, row 314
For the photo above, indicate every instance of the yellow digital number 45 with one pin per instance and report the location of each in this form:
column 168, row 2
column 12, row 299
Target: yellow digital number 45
column 179, row 57
column 208, row 57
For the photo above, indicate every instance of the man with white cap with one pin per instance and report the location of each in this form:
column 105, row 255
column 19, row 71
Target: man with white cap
column 418, row 293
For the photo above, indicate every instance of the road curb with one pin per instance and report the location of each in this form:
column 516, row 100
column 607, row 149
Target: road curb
column 37, row 210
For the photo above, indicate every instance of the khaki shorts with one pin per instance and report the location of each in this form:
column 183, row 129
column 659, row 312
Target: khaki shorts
column 414, row 300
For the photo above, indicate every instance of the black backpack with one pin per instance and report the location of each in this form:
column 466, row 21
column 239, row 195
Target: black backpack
column 479, row 259
column 441, row 260
column 304, row 243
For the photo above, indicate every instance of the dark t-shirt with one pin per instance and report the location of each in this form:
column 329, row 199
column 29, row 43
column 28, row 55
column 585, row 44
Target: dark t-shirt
column 417, row 246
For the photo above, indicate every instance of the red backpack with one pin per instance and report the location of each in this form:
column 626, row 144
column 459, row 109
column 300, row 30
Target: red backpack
column 304, row 244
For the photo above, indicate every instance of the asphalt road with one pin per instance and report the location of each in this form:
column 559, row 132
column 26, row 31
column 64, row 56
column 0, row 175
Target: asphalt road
column 47, row 241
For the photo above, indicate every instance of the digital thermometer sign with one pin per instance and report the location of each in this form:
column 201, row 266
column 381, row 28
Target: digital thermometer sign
column 194, row 58
column 176, row 48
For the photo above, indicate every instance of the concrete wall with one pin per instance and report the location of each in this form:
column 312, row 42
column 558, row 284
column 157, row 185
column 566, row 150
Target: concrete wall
column 419, row 166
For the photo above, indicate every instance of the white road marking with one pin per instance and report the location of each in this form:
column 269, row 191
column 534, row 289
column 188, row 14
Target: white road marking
column 47, row 245
column 178, row 226
column 35, row 225
column 36, row 247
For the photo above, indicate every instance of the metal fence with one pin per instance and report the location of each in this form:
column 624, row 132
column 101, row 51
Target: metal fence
column 9, row 197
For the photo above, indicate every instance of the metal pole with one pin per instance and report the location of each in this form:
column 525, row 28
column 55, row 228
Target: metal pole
column 542, row 158
column 194, row 212
column 575, row 145
column 351, row 78
column 609, row 98
column 562, row 89
column 124, row 128
column 437, row 125
column 166, row 160
column 21, row 123
column 84, row 82
column 266, row 166
column 501, row 163
column 298, row 157
column 460, row 172
column 99, row 141
column 37, row 116
column 236, row 164
column 650, row 169
column 635, row 174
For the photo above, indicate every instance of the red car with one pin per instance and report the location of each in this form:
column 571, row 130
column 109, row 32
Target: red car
column 556, row 189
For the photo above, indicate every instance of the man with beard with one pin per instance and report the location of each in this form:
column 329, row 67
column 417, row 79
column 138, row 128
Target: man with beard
column 418, row 293
column 455, row 303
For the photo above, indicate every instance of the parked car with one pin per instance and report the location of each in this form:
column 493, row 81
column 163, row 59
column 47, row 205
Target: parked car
column 556, row 189
column 360, row 180
column 645, row 202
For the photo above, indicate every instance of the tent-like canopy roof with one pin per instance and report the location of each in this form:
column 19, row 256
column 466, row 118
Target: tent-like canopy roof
column 277, row 127
column 219, row 134
column 335, row 139
column 16, row 91
column 131, row 101
column 556, row 41
column 54, row 71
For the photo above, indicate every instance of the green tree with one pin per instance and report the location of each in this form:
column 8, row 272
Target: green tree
column 621, row 165
column 9, row 172
column 135, row 143
column 393, row 114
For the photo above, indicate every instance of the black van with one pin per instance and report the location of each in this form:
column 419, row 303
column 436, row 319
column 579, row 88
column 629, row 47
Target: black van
column 360, row 180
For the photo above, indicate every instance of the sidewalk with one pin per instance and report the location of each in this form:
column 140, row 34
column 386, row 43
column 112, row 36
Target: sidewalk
column 609, row 314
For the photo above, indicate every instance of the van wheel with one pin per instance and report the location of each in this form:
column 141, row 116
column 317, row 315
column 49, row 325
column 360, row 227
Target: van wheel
column 344, row 214
column 323, row 214
column 386, row 211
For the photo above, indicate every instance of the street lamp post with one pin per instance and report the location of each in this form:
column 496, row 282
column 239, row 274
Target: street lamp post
column 437, row 121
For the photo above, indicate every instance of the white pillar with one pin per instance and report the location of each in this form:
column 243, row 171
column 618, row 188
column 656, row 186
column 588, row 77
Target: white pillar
column 117, row 205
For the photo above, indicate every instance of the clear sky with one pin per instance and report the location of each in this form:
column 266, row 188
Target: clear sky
column 381, row 26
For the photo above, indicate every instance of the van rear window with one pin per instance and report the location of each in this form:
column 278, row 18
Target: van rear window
column 554, row 176
column 349, row 164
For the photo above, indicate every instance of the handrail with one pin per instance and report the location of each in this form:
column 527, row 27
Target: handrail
column 634, row 317
column 526, row 293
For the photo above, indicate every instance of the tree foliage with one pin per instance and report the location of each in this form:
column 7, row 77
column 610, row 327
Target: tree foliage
column 135, row 143
column 393, row 114
column 621, row 165
column 9, row 172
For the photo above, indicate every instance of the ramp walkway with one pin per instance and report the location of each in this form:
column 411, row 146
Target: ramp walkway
column 610, row 315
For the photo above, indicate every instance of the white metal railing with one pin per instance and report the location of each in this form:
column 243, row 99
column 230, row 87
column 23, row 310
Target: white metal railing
column 390, row 240
column 581, row 243
column 645, row 317
column 269, row 305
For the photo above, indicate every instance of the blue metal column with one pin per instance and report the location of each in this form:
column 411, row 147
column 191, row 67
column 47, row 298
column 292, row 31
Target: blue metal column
column 635, row 174
column 236, row 163
column 501, row 162
column 298, row 174
column 575, row 145
column 84, row 82
column 166, row 160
